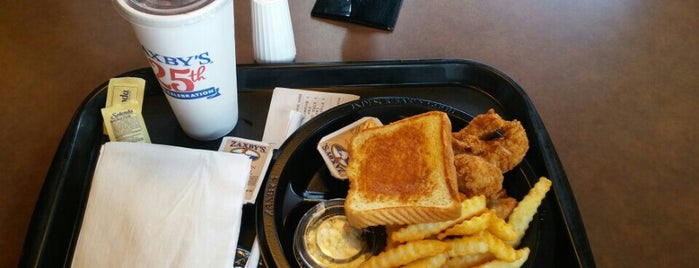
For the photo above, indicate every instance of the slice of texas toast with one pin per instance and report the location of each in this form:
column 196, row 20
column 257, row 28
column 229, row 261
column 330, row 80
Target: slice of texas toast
column 403, row 173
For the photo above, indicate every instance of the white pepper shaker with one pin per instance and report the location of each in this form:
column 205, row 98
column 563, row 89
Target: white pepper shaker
column 273, row 35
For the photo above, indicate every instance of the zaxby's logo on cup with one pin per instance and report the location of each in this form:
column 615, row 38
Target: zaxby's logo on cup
column 180, row 75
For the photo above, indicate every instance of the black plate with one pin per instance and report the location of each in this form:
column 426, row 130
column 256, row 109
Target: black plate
column 299, row 178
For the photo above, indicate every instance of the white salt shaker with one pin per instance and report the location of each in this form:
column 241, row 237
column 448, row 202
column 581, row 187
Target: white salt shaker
column 273, row 35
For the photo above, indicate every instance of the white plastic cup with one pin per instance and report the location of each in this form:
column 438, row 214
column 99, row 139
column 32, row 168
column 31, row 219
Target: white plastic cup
column 190, row 44
column 273, row 34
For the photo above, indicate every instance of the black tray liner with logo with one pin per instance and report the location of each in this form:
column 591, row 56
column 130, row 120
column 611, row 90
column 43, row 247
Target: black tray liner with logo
column 466, row 85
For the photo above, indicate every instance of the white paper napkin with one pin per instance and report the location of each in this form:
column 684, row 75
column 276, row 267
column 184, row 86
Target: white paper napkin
column 162, row 206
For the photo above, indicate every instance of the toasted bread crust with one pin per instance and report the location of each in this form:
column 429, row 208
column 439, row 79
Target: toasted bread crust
column 403, row 173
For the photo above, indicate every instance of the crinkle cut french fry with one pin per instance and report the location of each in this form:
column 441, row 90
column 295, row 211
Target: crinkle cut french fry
column 481, row 243
column 406, row 253
column 524, row 255
column 523, row 214
column 468, row 260
column 467, row 245
column 469, row 208
column 390, row 243
column 429, row 262
column 488, row 220
column 498, row 227
column 499, row 248
column 470, row 226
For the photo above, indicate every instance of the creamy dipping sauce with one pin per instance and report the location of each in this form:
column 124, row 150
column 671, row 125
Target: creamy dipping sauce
column 337, row 239
column 324, row 238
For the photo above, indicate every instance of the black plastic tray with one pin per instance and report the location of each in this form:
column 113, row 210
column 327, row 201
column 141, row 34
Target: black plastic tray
column 466, row 85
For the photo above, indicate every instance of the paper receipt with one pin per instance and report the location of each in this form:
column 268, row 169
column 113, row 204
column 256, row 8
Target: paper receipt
column 288, row 105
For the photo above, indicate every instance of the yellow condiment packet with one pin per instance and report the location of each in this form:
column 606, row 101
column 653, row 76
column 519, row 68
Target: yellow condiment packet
column 125, row 123
column 123, row 91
